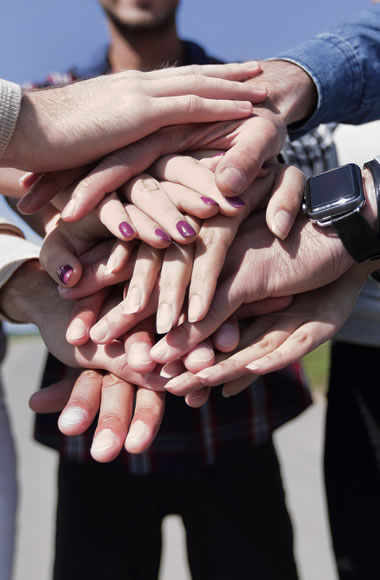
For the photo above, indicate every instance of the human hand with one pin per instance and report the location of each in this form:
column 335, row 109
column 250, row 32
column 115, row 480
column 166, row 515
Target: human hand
column 276, row 340
column 38, row 302
column 129, row 416
column 260, row 266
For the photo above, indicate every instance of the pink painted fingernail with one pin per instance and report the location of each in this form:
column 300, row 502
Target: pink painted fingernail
column 126, row 229
column 219, row 154
column 208, row 200
column 64, row 273
column 185, row 229
column 162, row 235
column 235, row 201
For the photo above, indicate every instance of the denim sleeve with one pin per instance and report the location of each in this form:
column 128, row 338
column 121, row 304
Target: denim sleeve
column 345, row 67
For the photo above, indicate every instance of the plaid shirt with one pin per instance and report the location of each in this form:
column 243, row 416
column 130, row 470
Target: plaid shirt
column 194, row 438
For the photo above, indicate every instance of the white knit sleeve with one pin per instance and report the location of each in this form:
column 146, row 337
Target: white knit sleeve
column 10, row 102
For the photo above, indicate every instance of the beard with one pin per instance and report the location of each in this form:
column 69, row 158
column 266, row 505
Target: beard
column 158, row 25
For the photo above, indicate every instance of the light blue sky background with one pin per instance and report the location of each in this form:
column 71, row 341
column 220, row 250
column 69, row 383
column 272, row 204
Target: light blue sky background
column 38, row 36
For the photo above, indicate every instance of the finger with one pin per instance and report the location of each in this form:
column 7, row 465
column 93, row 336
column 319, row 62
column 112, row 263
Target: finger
column 205, row 86
column 137, row 344
column 214, row 239
column 114, row 418
column 231, row 71
column 174, row 279
column 144, row 278
column 195, row 175
column 59, row 260
column 45, row 188
column 114, row 216
column 262, row 307
column 237, row 386
column 52, row 399
column 183, row 338
column 200, row 357
column 146, row 193
column 83, row 403
column 227, row 336
column 117, row 322
column 241, row 164
column 198, row 398
column 148, row 230
column 188, row 201
column 84, row 315
column 105, row 265
column 147, row 417
column 285, row 201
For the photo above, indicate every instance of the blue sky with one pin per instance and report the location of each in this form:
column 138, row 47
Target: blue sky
column 39, row 36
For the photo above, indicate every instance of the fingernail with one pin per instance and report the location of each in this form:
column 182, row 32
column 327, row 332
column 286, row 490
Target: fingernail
column 195, row 308
column 175, row 383
column 137, row 433
column 235, row 201
column 70, row 209
column 227, row 335
column 132, row 302
column 208, row 200
column 267, row 165
column 201, row 353
column 185, row 229
column 172, row 369
column 160, row 350
column 209, row 372
column 164, row 318
column 234, row 179
column 282, row 222
column 103, row 441
column 99, row 331
column 218, row 154
column 259, row 365
column 225, row 394
column 139, row 353
column 245, row 106
column 73, row 416
column 64, row 273
column 162, row 235
column 126, row 229
column 76, row 329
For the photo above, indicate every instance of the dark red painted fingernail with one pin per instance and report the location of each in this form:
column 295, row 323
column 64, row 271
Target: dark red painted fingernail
column 208, row 200
column 126, row 230
column 162, row 235
column 64, row 273
column 185, row 229
column 235, row 201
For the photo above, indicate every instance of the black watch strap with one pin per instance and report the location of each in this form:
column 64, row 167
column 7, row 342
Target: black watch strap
column 374, row 168
column 358, row 237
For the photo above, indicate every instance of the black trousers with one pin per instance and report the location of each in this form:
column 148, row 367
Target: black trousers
column 237, row 524
column 352, row 460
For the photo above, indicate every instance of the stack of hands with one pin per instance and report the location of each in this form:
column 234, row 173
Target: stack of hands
column 190, row 231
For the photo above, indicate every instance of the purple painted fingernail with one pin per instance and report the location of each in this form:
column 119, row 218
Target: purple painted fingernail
column 162, row 235
column 185, row 229
column 235, row 201
column 64, row 273
column 126, row 230
column 208, row 200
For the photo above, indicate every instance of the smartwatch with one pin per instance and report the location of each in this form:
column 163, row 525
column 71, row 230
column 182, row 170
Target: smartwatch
column 335, row 198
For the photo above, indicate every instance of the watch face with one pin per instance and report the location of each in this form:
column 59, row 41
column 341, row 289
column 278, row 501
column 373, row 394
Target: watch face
column 334, row 193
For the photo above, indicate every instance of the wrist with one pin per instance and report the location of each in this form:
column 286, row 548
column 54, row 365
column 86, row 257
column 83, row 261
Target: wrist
column 29, row 294
column 290, row 88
